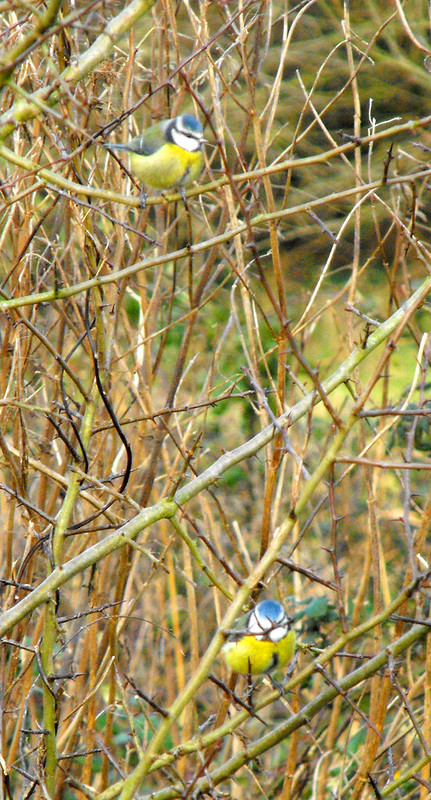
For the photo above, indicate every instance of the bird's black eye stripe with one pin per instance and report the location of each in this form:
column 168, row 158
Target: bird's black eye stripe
column 189, row 134
column 169, row 133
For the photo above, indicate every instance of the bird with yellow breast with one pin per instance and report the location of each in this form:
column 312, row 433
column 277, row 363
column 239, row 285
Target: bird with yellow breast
column 167, row 155
column 261, row 641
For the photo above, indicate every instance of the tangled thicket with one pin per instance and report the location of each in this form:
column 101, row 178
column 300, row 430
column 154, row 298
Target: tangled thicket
column 206, row 403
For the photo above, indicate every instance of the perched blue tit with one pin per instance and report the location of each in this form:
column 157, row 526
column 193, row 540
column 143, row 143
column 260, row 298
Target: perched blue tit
column 167, row 155
column 261, row 641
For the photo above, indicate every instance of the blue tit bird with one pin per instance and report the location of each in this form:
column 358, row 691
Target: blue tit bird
column 167, row 155
column 261, row 641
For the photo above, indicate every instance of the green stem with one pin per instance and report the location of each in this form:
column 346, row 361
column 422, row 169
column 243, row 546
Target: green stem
column 49, row 634
column 48, row 743
column 75, row 481
column 203, row 566
column 44, row 21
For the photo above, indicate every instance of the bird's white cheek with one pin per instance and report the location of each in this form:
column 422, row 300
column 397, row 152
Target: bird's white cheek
column 253, row 626
column 277, row 634
column 186, row 142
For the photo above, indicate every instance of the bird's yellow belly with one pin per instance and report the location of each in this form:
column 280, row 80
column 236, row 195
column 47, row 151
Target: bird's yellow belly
column 169, row 167
column 249, row 655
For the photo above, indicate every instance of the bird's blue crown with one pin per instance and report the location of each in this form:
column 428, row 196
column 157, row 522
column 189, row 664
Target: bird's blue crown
column 191, row 123
column 271, row 609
